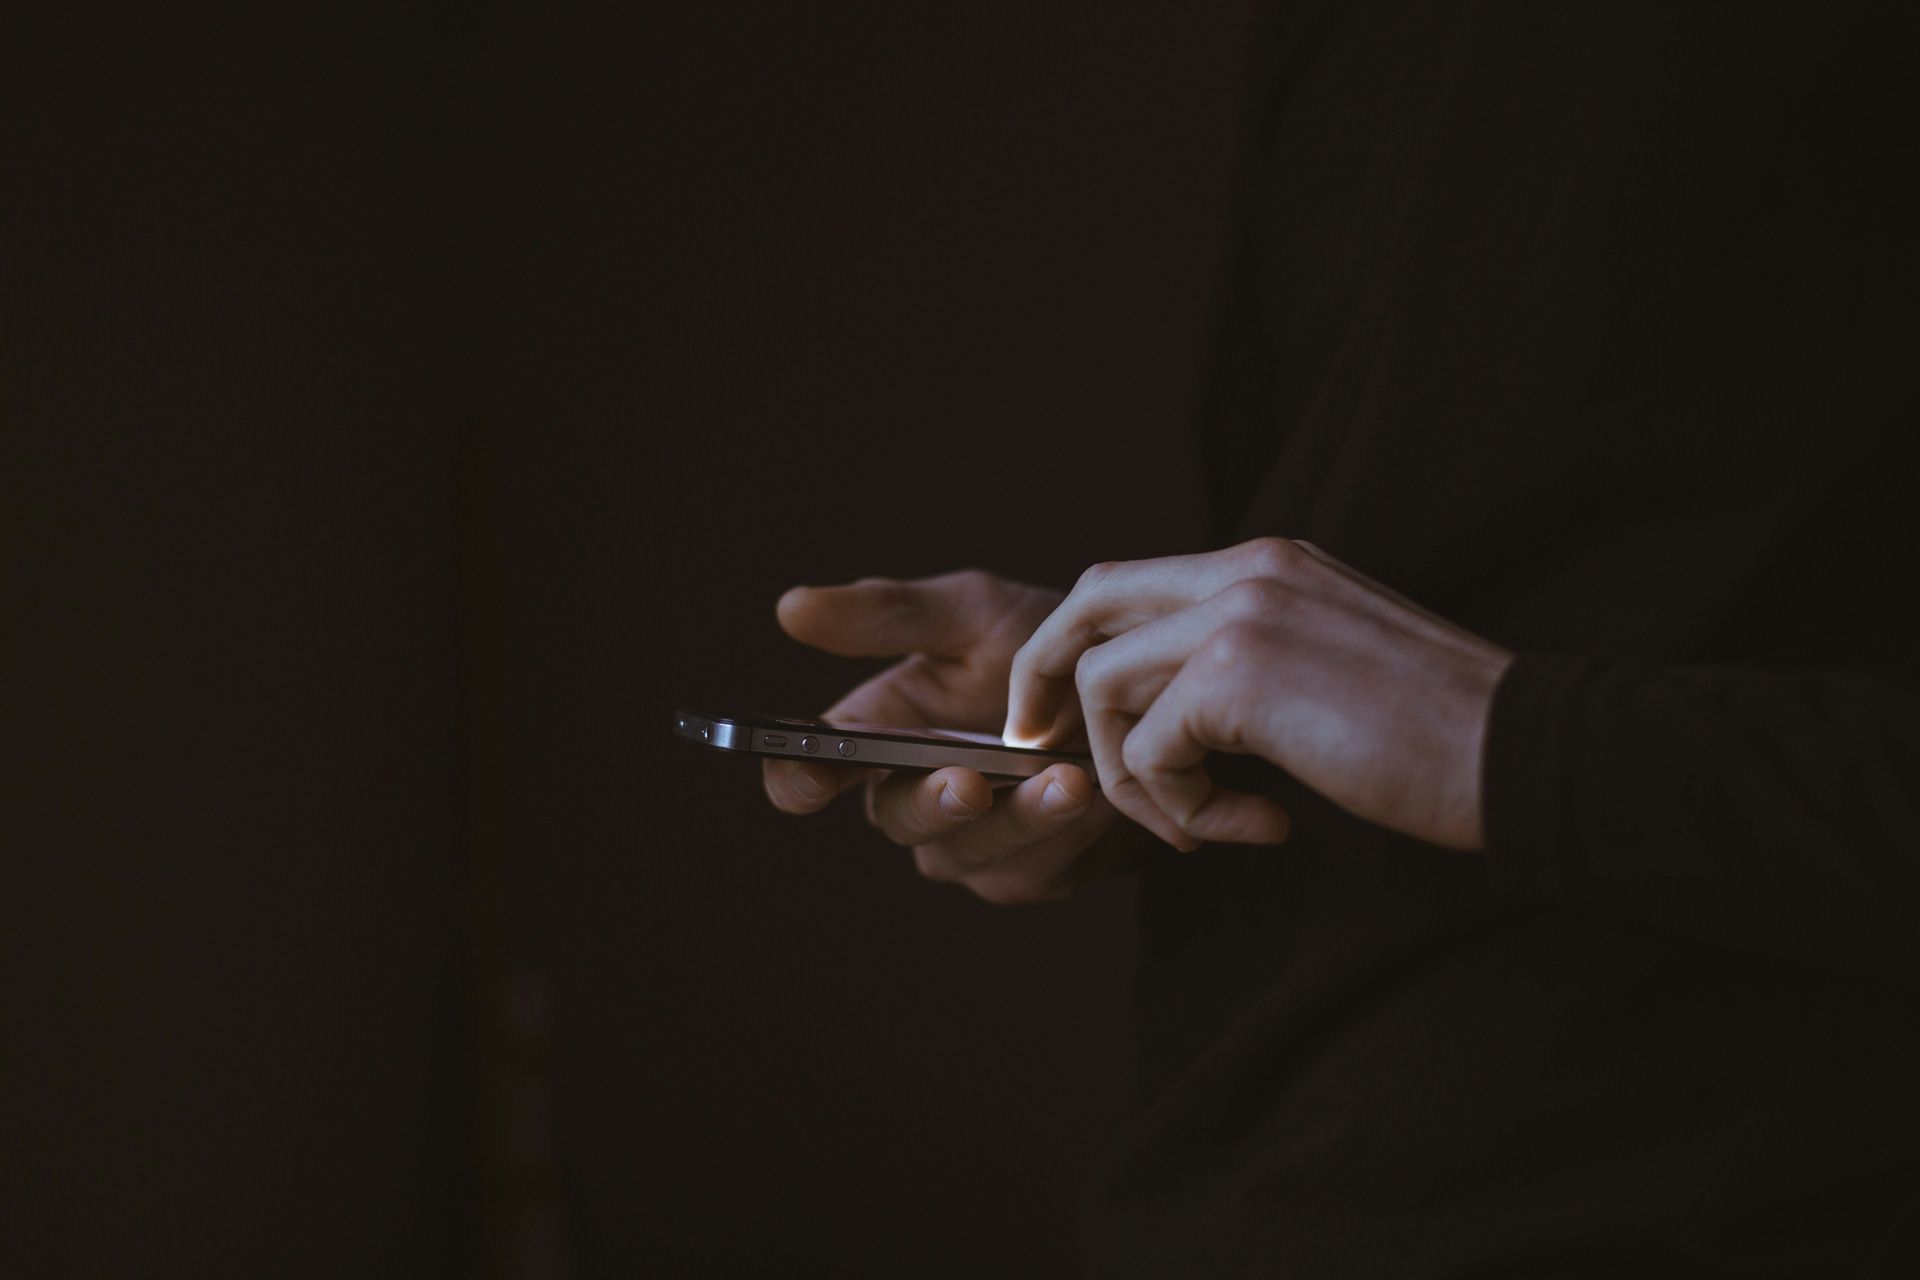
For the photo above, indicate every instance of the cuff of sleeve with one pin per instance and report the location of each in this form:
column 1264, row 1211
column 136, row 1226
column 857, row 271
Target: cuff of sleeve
column 1528, row 774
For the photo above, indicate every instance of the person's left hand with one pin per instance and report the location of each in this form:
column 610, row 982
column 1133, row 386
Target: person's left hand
column 1271, row 648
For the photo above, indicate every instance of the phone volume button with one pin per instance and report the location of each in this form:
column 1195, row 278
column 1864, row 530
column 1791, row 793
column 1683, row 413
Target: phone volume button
column 809, row 744
column 846, row 747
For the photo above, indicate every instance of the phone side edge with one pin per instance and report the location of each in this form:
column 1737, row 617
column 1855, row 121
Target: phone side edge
column 723, row 732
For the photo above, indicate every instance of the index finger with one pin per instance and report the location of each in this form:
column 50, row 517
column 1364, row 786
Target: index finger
column 1110, row 600
column 888, row 618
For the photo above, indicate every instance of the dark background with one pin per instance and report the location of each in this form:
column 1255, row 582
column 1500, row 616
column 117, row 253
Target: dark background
column 399, row 413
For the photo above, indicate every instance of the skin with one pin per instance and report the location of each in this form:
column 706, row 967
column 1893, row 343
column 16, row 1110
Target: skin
column 1270, row 648
column 955, row 637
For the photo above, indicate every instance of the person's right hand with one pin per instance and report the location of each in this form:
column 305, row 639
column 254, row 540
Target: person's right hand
column 955, row 636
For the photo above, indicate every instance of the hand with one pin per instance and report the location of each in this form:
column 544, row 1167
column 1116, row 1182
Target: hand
column 1272, row 648
column 956, row 636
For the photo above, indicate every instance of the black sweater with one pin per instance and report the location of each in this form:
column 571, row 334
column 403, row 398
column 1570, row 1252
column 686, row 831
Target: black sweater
column 1590, row 327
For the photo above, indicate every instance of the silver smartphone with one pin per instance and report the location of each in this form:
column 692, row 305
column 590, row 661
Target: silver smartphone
column 870, row 746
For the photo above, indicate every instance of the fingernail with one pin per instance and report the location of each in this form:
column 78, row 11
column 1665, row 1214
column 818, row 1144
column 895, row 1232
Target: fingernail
column 954, row 807
column 809, row 787
column 1058, row 801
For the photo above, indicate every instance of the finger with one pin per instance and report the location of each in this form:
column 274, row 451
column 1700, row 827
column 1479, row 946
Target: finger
column 900, row 695
column 921, row 808
column 1167, row 751
column 885, row 617
column 804, row 786
column 1051, row 869
column 897, row 696
column 1055, row 804
column 1112, row 599
column 1108, row 600
column 1129, row 671
column 1118, row 681
column 1107, row 731
column 797, row 786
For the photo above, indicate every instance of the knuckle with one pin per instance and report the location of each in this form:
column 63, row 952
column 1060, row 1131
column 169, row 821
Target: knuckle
column 891, row 597
column 931, row 866
column 1236, row 645
column 879, row 808
column 1256, row 596
column 1094, row 575
column 1273, row 557
column 894, row 817
column 973, row 582
column 913, row 833
column 1131, row 799
column 1022, row 663
column 1025, row 824
column 1091, row 671
column 1137, row 760
column 777, row 779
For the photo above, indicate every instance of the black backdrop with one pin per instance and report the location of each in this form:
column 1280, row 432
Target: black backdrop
column 401, row 412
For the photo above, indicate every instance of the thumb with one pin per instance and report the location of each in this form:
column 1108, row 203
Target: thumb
column 889, row 618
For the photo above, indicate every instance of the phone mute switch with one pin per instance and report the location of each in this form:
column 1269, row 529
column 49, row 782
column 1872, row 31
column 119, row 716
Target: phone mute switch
column 774, row 739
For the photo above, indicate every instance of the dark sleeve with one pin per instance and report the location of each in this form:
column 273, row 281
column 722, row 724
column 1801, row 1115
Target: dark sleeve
column 1766, row 809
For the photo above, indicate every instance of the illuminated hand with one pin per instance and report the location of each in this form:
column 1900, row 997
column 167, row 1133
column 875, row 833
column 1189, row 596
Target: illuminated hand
column 1270, row 648
column 955, row 636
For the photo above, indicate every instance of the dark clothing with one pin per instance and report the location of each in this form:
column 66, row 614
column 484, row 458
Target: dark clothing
column 1590, row 327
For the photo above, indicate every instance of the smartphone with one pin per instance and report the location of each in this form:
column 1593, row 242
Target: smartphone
column 870, row 746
